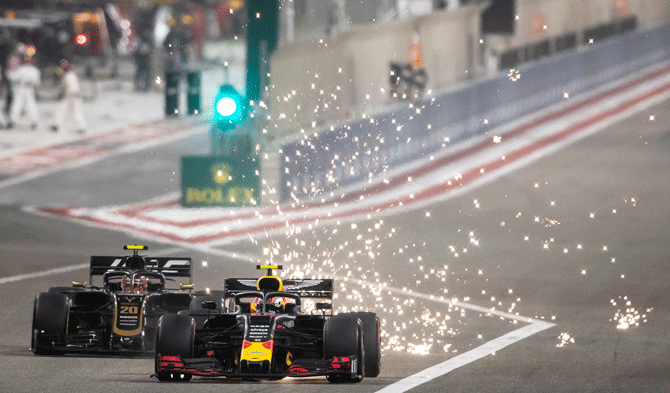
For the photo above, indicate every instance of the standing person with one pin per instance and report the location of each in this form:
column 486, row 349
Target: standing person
column 6, row 48
column 72, row 102
column 25, row 80
column 197, row 29
column 2, row 116
column 143, row 63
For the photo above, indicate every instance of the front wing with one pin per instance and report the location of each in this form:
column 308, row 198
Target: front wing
column 210, row 367
column 85, row 342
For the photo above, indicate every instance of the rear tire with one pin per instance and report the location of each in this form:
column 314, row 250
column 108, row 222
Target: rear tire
column 174, row 337
column 371, row 342
column 50, row 316
column 343, row 336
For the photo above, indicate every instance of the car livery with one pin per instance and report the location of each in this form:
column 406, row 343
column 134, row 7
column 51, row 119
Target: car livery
column 274, row 341
column 119, row 316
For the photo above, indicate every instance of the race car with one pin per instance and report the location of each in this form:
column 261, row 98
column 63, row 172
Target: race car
column 119, row 316
column 262, row 333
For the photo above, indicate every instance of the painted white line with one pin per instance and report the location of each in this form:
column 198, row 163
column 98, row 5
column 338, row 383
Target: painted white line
column 480, row 352
column 130, row 148
column 66, row 269
column 43, row 273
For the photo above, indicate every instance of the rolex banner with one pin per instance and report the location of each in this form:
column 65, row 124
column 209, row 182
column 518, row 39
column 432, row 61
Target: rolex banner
column 220, row 181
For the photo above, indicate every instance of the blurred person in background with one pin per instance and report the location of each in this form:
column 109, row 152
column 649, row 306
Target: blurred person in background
column 25, row 79
column 175, row 45
column 143, row 62
column 2, row 116
column 71, row 104
column 197, row 27
column 6, row 49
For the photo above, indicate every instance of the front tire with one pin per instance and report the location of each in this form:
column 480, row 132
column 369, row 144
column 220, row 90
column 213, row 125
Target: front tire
column 343, row 336
column 174, row 337
column 50, row 316
column 371, row 342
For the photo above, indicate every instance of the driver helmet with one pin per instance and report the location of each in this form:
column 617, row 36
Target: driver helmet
column 136, row 263
column 269, row 283
column 137, row 287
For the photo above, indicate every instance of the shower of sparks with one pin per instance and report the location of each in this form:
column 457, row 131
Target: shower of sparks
column 627, row 317
column 408, row 325
column 514, row 75
column 565, row 339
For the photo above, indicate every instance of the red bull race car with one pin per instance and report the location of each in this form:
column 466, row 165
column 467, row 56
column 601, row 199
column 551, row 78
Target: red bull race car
column 121, row 315
column 262, row 332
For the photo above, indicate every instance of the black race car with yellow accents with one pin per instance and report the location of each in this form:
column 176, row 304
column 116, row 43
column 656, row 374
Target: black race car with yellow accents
column 264, row 331
column 121, row 315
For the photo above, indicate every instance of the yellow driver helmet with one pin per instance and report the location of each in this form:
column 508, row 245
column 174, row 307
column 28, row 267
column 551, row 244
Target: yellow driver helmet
column 269, row 283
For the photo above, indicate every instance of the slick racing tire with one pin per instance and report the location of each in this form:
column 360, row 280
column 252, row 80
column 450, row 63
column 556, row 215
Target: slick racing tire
column 50, row 316
column 343, row 336
column 174, row 336
column 371, row 342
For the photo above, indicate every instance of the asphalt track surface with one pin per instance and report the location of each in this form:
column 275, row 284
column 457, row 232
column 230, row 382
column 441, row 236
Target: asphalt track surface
column 597, row 226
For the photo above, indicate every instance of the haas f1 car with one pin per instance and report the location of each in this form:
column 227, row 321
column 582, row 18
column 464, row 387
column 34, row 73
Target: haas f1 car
column 262, row 333
column 119, row 316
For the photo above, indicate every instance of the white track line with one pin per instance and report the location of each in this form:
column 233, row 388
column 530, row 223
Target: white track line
column 127, row 149
column 463, row 359
column 43, row 273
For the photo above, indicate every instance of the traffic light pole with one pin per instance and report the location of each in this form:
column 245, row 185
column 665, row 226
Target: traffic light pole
column 262, row 38
column 229, row 113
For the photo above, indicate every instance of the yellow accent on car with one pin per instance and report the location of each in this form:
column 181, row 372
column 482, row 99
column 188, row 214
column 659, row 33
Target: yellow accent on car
column 256, row 352
column 184, row 287
column 263, row 267
column 79, row 284
column 258, row 282
column 133, row 247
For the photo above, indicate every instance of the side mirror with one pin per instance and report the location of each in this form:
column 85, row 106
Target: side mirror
column 78, row 284
column 324, row 306
column 209, row 305
column 185, row 287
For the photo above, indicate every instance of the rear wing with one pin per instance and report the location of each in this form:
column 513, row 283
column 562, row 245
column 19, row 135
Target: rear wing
column 170, row 267
column 321, row 289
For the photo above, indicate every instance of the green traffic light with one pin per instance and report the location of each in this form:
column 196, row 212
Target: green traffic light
column 226, row 106
column 229, row 106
